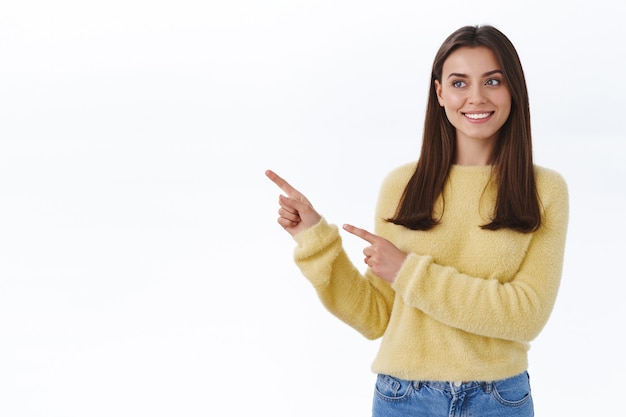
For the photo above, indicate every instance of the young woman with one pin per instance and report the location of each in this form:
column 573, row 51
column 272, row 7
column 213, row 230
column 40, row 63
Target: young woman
column 465, row 263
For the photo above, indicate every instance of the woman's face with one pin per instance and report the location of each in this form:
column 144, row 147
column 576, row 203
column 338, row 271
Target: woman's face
column 474, row 94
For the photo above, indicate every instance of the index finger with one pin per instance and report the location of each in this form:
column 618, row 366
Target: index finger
column 362, row 233
column 282, row 184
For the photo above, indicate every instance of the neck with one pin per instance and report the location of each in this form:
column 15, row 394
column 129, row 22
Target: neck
column 474, row 152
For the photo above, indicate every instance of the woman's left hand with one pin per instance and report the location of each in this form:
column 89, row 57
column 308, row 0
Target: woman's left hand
column 382, row 256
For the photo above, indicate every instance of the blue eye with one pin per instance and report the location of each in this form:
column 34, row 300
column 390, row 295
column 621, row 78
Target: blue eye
column 493, row 81
column 458, row 84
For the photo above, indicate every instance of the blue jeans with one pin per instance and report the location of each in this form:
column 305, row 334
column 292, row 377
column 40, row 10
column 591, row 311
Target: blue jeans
column 509, row 397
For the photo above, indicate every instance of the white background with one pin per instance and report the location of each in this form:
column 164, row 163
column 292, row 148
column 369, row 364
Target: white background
column 142, row 272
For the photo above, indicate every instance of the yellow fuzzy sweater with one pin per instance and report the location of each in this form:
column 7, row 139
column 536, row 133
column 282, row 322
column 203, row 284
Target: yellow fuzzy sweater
column 467, row 301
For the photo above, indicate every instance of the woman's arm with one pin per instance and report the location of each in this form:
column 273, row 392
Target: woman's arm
column 363, row 302
column 514, row 310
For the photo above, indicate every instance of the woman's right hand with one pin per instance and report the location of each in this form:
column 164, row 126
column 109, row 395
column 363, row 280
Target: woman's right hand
column 296, row 213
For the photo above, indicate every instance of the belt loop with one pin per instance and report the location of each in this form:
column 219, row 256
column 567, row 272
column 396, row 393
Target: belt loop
column 487, row 386
column 417, row 385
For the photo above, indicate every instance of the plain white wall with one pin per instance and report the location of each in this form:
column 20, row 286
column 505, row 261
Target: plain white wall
column 141, row 268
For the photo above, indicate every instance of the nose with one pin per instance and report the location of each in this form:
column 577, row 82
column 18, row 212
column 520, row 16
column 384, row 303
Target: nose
column 475, row 95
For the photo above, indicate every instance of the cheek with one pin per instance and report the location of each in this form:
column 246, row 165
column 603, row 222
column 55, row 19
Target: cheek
column 505, row 108
column 452, row 115
column 507, row 113
column 452, row 102
column 504, row 101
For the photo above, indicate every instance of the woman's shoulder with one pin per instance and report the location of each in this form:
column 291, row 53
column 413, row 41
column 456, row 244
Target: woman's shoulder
column 393, row 186
column 400, row 175
column 549, row 177
column 550, row 183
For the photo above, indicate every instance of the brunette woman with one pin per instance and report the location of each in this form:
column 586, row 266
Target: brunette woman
column 464, row 265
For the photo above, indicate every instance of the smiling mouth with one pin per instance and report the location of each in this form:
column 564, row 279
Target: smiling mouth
column 478, row 116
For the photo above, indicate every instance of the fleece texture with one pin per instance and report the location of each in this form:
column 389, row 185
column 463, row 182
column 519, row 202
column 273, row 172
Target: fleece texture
column 467, row 301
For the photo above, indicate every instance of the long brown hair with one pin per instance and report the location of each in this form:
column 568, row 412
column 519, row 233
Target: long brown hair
column 517, row 202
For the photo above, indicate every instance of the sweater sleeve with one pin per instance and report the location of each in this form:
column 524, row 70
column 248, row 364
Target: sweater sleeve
column 362, row 301
column 515, row 310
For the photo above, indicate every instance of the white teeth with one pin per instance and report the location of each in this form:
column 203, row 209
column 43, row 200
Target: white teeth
column 477, row 115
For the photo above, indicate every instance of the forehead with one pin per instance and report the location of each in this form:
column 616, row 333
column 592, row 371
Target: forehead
column 475, row 60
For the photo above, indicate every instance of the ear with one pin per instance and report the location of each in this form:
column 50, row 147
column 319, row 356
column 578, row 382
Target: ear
column 438, row 91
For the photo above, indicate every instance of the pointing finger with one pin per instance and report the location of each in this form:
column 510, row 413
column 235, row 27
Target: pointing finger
column 362, row 233
column 284, row 185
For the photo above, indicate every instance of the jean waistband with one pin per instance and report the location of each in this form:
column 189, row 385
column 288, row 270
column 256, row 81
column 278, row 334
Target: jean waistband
column 457, row 386
column 453, row 386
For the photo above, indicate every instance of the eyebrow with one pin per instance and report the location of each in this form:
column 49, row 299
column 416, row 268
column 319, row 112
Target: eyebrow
column 487, row 74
